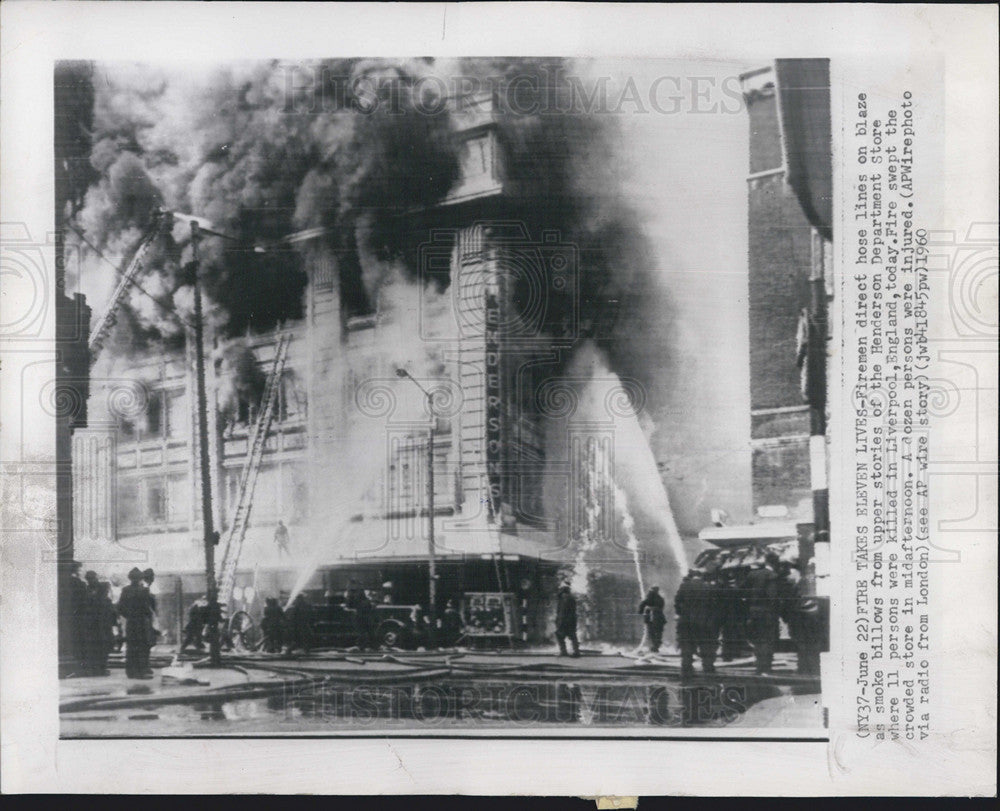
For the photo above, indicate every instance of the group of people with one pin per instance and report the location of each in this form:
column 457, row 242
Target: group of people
column 651, row 609
column 709, row 607
column 706, row 606
column 203, row 621
column 93, row 620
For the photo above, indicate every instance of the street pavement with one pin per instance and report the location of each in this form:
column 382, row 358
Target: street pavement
column 248, row 695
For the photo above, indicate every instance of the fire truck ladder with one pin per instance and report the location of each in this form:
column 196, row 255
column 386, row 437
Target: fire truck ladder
column 248, row 479
column 102, row 329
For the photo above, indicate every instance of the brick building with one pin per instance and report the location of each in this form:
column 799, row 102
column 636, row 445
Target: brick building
column 788, row 253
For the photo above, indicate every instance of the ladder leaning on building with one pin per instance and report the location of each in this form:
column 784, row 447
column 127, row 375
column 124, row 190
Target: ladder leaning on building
column 248, row 478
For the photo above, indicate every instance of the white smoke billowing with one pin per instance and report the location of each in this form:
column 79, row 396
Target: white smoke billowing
column 626, row 519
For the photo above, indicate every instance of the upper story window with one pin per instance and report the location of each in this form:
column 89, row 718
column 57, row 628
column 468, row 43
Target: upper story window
column 178, row 414
column 152, row 502
column 154, row 415
column 156, row 500
column 291, row 398
column 151, row 423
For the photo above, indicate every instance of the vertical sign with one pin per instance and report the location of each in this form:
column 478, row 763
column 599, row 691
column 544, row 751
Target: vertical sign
column 494, row 421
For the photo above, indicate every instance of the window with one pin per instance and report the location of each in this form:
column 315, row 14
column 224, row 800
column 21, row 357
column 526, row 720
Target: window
column 244, row 409
column 178, row 499
column 294, row 493
column 156, row 500
column 178, row 416
column 291, row 398
column 407, row 490
column 265, row 495
column 475, row 158
column 154, row 414
column 128, row 504
column 231, row 495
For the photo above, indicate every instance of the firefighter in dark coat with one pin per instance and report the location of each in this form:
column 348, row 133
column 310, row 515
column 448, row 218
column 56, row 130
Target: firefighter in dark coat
column 364, row 621
column 451, row 624
column 651, row 609
column 104, row 618
column 195, row 629
column 90, row 639
column 99, row 616
column 76, row 592
column 762, row 594
column 566, row 621
column 353, row 595
column 273, row 625
column 137, row 609
column 300, row 630
column 148, row 576
column 697, row 604
column 734, row 614
column 804, row 617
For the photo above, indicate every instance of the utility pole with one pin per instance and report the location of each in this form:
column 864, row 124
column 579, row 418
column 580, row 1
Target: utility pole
column 817, row 382
column 430, row 513
column 211, row 588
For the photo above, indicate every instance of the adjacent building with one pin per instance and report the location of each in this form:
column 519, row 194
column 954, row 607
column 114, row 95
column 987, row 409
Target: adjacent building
column 790, row 285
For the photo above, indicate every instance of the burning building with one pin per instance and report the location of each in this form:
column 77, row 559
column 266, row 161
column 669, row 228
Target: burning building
column 434, row 305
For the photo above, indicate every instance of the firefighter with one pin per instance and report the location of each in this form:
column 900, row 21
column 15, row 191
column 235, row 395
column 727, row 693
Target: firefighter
column 195, row 628
column 135, row 606
column 451, row 624
column 763, row 609
column 733, row 612
column 281, row 539
column 353, row 595
column 76, row 593
column 89, row 634
column 566, row 621
column 698, row 620
column 272, row 626
column 651, row 609
column 105, row 619
column 806, row 623
column 364, row 620
column 98, row 618
column 148, row 576
column 300, row 630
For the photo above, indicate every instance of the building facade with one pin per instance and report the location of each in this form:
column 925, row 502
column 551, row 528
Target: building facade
column 789, row 255
column 480, row 317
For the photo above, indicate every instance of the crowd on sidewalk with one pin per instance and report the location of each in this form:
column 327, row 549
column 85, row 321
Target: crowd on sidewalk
column 93, row 627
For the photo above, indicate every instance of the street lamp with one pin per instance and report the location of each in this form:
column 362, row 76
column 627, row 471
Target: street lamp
column 432, row 590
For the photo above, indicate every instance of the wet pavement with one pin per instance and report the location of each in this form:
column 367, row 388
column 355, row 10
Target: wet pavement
column 446, row 692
